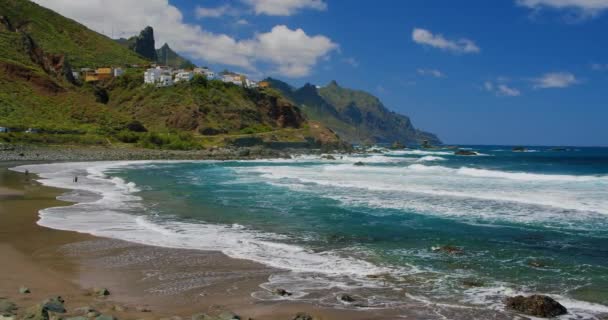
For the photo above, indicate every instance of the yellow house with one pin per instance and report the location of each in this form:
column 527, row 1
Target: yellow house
column 263, row 84
column 90, row 76
column 104, row 73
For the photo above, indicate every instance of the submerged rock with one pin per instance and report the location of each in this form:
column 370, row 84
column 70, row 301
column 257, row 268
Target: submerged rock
column 282, row 292
column 346, row 298
column 465, row 153
column 448, row 249
column 536, row 305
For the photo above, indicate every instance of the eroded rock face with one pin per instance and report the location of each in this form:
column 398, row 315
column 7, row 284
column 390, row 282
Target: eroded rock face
column 536, row 305
column 284, row 113
column 144, row 44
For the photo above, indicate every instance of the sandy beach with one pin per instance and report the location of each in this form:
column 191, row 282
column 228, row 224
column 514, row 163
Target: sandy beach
column 145, row 282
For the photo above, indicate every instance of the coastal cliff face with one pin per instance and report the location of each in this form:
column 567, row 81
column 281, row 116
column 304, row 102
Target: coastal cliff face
column 143, row 44
column 355, row 115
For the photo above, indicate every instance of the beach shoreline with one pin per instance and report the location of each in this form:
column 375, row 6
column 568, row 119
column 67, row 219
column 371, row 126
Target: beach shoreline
column 144, row 281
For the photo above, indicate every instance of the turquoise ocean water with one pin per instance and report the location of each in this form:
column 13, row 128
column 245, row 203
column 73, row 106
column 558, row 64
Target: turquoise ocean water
column 523, row 222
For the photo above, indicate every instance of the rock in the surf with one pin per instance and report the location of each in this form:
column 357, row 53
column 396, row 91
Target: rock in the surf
column 282, row 292
column 536, row 305
column 346, row 298
column 465, row 153
column 448, row 249
column 359, row 163
column 328, row 157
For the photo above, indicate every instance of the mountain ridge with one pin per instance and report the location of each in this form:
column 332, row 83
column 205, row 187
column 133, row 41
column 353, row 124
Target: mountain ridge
column 355, row 115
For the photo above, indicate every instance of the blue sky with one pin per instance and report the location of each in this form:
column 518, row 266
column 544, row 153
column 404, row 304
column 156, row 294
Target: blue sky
column 474, row 72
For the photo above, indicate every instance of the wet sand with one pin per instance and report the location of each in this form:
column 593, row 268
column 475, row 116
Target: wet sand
column 168, row 282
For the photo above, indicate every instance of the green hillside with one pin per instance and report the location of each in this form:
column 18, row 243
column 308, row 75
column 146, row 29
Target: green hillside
column 166, row 56
column 37, row 90
column 60, row 35
column 355, row 115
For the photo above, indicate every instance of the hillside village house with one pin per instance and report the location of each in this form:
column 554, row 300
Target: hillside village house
column 3, row 129
column 90, row 75
column 210, row 75
column 184, row 76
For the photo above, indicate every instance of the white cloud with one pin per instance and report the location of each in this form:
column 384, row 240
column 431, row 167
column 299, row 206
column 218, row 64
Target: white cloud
column 201, row 12
column 284, row 7
column 599, row 67
column 501, row 89
column 431, row 72
column 352, row 61
column 555, row 80
column 587, row 7
column 425, row 37
column 288, row 52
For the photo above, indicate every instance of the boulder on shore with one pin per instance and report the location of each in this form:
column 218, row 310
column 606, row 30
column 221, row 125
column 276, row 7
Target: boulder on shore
column 101, row 292
column 302, row 316
column 24, row 290
column 536, row 305
column 7, row 308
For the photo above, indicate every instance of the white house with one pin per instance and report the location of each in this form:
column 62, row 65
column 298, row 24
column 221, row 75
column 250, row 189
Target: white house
column 152, row 75
column 3, row 129
column 118, row 72
column 233, row 78
column 251, row 83
column 184, row 76
column 165, row 80
column 210, row 75
column 76, row 75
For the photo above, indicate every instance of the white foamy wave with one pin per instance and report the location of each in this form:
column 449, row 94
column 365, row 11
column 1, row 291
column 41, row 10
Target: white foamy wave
column 430, row 158
column 117, row 214
column 451, row 191
column 419, row 152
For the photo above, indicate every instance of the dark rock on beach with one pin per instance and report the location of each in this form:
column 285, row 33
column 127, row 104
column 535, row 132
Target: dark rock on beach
column 101, row 292
column 359, row 163
column 536, row 305
column 7, row 307
column 24, row 290
column 302, row 316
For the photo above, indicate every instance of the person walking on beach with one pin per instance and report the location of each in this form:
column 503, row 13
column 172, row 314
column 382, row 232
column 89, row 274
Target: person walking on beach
column 75, row 179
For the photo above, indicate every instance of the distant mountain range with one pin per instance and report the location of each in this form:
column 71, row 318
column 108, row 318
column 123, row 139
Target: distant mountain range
column 355, row 115
column 144, row 45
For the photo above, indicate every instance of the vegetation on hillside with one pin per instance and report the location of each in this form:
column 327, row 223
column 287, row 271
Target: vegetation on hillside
column 60, row 35
column 355, row 115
